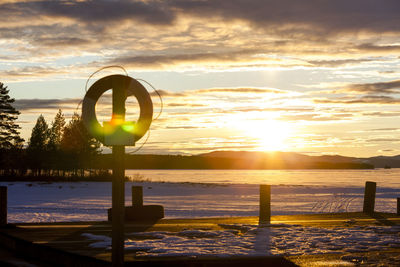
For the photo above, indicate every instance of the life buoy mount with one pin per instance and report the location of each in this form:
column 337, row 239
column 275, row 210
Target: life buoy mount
column 120, row 84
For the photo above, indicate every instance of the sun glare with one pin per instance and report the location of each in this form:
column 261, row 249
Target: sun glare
column 270, row 135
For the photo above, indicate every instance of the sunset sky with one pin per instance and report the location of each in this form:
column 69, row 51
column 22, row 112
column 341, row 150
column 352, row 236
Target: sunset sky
column 311, row 76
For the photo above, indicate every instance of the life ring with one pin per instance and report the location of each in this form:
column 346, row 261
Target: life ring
column 130, row 87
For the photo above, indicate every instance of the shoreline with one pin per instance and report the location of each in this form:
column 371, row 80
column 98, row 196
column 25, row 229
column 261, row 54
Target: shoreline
column 108, row 177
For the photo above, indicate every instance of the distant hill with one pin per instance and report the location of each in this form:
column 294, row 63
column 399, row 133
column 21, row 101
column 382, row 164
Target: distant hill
column 286, row 156
column 237, row 160
column 291, row 160
column 377, row 162
column 383, row 161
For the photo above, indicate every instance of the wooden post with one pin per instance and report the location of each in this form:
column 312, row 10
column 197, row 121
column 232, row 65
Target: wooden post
column 398, row 206
column 265, row 204
column 118, row 207
column 118, row 182
column 369, row 197
column 3, row 206
column 137, row 196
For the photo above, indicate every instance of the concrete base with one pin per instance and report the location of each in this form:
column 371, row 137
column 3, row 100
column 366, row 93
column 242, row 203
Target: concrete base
column 139, row 213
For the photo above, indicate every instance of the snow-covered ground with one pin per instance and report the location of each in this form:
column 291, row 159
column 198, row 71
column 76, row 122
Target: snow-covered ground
column 79, row 201
column 253, row 240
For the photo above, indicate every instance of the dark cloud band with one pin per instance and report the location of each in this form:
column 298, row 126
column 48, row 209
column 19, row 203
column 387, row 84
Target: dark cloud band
column 326, row 15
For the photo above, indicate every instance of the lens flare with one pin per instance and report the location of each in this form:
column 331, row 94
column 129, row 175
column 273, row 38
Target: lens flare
column 128, row 127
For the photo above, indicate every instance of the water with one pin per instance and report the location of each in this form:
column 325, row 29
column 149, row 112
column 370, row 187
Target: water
column 336, row 178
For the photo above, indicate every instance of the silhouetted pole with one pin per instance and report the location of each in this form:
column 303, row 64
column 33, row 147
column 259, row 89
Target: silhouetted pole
column 3, row 205
column 265, row 204
column 118, row 184
column 369, row 197
column 137, row 196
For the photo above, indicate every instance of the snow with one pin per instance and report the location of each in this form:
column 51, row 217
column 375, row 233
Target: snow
column 255, row 240
column 101, row 240
column 89, row 201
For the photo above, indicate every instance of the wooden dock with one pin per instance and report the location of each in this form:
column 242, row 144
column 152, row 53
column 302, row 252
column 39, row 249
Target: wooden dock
column 64, row 245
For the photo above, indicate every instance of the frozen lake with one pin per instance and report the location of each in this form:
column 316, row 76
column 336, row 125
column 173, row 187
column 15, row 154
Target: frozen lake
column 206, row 193
column 384, row 177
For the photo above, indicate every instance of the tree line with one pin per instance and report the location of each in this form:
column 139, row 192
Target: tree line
column 54, row 149
column 67, row 151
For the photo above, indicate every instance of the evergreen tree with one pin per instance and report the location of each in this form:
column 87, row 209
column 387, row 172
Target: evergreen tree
column 37, row 148
column 55, row 156
column 56, row 131
column 40, row 136
column 77, row 139
column 78, row 145
column 9, row 130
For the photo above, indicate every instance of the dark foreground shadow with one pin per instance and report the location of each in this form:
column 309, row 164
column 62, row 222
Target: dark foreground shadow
column 381, row 219
column 63, row 244
column 217, row 262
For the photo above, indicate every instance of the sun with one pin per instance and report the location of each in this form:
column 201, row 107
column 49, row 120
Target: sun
column 269, row 135
column 262, row 131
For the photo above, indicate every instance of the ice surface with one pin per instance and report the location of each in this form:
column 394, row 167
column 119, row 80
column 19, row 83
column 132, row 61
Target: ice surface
column 89, row 201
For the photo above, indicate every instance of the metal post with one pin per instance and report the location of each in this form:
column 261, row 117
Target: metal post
column 137, row 196
column 369, row 197
column 265, row 204
column 118, row 182
column 3, row 205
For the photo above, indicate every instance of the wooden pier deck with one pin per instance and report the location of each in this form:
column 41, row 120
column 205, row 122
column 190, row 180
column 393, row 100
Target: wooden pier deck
column 64, row 244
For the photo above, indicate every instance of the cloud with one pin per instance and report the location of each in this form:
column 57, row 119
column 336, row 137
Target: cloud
column 40, row 104
column 62, row 41
column 370, row 47
column 198, row 34
column 387, row 150
column 189, row 57
column 361, row 100
column 321, row 16
column 272, row 109
column 195, row 105
column 30, row 71
column 93, row 11
column 315, row 117
column 248, row 32
column 55, row 34
column 242, row 90
column 390, row 87
column 384, row 129
column 386, row 87
column 337, row 62
column 167, row 93
column 234, row 57
column 383, row 140
column 189, row 98
column 381, row 114
column 182, row 127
